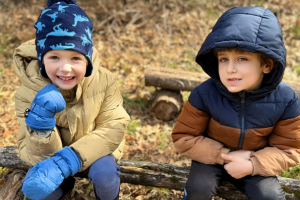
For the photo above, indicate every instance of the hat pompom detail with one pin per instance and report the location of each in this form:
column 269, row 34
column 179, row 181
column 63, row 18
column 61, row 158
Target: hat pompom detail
column 51, row 2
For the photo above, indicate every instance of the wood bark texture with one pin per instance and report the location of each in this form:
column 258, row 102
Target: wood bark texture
column 153, row 174
column 173, row 79
column 12, row 184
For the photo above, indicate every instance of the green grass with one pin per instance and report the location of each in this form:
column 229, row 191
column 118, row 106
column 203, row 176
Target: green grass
column 211, row 11
column 161, row 192
column 260, row 3
column 296, row 30
column 293, row 172
column 4, row 45
column 193, row 3
column 134, row 103
column 172, row 65
column 128, row 196
column 132, row 126
column 4, row 171
column 164, row 140
column 297, row 69
column 185, row 95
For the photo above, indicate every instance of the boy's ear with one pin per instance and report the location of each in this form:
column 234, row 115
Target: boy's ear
column 269, row 64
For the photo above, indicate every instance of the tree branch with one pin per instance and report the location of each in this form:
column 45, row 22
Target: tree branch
column 156, row 175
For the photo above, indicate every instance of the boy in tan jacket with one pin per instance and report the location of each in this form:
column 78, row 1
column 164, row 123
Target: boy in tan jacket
column 74, row 119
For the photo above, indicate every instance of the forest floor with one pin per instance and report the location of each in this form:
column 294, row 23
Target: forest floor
column 132, row 35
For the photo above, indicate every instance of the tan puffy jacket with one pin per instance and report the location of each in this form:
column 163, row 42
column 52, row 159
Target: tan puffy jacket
column 94, row 120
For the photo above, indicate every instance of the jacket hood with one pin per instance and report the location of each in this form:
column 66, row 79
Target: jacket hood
column 27, row 68
column 253, row 29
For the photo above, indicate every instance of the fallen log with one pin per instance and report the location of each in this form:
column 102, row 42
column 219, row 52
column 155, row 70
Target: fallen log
column 11, row 185
column 166, row 104
column 175, row 79
column 156, row 175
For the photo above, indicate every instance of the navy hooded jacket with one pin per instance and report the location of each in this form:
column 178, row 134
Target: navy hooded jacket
column 265, row 121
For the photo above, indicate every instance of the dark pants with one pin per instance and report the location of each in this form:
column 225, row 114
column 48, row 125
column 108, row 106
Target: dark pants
column 104, row 174
column 204, row 179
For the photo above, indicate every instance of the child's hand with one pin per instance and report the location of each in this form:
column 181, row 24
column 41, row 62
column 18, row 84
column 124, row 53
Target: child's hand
column 237, row 167
column 48, row 174
column 239, row 153
column 47, row 102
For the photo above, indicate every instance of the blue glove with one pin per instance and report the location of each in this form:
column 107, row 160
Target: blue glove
column 47, row 102
column 48, row 174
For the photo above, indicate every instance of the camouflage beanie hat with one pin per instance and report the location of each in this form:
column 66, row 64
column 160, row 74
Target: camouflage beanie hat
column 64, row 25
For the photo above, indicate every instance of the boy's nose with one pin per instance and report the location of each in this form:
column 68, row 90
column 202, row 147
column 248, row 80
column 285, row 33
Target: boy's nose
column 66, row 68
column 231, row 68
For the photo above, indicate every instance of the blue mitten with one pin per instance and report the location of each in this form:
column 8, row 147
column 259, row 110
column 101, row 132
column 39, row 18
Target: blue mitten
column 47, row 102
column 48, row 174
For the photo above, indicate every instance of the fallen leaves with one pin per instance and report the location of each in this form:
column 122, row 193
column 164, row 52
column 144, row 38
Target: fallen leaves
column 131, row 37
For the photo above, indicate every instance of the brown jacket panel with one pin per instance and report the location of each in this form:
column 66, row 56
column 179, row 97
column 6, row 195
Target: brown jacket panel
column 284, row 141
column 227, row 135
column 188, row 137
column 286, row 134
column 256, row 139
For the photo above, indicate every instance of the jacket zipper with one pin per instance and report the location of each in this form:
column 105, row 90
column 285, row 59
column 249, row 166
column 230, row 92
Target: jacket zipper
column 242, row 136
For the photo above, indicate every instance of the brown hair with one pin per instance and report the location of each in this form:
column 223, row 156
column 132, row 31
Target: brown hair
column 263, row 57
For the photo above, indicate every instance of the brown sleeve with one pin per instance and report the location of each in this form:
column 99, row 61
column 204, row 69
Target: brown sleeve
column 188, row 137
column 284, row 150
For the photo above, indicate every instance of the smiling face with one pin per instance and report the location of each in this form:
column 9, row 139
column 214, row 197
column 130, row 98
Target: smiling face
column 242, row 70
column 65, row 68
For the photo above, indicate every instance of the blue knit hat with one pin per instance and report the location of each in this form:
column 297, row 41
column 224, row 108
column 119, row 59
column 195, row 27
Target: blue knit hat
column 64, row 25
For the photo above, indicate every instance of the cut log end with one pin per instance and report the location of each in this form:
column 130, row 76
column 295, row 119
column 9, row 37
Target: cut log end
column 166, row 104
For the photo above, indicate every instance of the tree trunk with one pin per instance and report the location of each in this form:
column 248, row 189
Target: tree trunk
column 156, row 175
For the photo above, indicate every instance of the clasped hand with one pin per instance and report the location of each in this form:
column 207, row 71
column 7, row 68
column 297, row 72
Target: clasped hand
column 238, row 163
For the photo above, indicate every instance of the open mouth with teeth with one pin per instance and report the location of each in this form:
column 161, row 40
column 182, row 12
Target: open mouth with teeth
column 65, row 78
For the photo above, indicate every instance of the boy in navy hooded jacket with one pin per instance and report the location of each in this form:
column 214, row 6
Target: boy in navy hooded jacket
column 242, row 125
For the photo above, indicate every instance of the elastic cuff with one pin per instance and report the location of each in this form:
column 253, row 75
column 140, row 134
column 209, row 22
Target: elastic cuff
column 220, row 160
column 71, row 158
column 256, row 166
column 44, row 134
column 40, row 111
column 63, row 166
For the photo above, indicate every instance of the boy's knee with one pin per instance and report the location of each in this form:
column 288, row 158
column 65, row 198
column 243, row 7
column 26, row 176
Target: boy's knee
column 268, row 195
column 271, row 195
column 202, row 181
column 203, row 192
column 104, row 172
column 266, row 190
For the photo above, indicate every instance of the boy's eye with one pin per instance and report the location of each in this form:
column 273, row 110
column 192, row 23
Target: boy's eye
column 76, row 58
column 242, row 59
column 223, row 59
column 54, row 57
